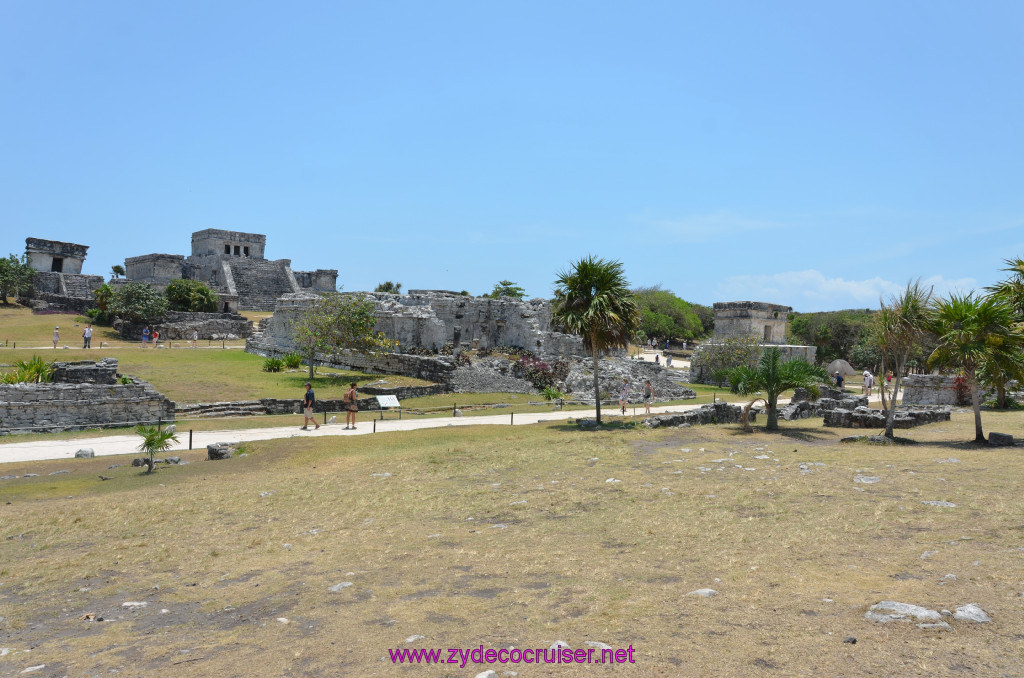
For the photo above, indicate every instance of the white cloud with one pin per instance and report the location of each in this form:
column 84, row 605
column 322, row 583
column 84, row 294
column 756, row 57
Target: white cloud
column 811, row 290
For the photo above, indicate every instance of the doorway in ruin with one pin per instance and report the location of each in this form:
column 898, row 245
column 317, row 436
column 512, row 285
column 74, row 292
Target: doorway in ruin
column 57, row 266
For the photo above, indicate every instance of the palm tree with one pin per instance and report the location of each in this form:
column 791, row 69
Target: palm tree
column 154, row 440
column 1011, row 290
column 898, row 329
column 974, row 334
column 772, row 376
column 593, row 299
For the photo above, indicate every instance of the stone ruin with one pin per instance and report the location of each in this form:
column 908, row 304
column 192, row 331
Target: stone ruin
column 433, row 320
column 59, row 283
column 429, row 321
column 178, row 325
column 934, row 389
column 764, row 322
column 82, row 395
column 232, row 263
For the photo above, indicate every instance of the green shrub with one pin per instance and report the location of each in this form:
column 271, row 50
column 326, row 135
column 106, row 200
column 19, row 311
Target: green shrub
column 292, row 361
column 191, row 295
column 552, row 393
column 137, row 302
column 273, row 365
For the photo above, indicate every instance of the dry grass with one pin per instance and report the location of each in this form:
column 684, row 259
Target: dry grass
column 513, row 537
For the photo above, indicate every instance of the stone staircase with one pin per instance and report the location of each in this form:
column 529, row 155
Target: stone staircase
column 81, row 286
column 260, row 282
column 238, row 408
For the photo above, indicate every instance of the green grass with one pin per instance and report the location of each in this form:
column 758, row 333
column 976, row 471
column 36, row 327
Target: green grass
column 499, row 537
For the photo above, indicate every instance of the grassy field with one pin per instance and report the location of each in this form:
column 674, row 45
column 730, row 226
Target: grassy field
column 497, row 537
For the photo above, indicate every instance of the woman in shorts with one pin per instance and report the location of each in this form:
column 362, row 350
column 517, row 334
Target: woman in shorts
column 648, row 396
column 351, row 406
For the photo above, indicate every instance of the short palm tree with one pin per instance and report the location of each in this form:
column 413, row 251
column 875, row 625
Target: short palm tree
column 593, row 299
column 974, row 334
column 772, row 376
column 898, row 328
column 154, row 440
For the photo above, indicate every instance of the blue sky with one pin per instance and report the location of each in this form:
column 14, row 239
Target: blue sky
column 807, row 153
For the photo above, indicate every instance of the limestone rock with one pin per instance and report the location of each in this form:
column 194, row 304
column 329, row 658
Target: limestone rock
column 85, row 453
column 971, row 612
column 215, row 451
column 891, row 610
column 703, row 593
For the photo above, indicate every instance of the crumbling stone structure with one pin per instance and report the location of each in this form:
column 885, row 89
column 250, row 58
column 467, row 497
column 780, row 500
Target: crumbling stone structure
column 58, row 283
column 765, row 321
column 233, row 264
column 748, row 319
column 432, row 320
column 82, row 395
column 863, row 417
column 54, row 256
column 717, row 413
column 179, row 325
column 933, row 389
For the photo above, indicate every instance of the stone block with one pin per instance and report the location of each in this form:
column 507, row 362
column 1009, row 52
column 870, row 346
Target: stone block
column 1000, row 439
column 85, row 453
column 216, row 451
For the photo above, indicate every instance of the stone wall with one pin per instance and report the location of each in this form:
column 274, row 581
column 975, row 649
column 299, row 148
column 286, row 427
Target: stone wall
column 933, row 389
column 103, row 371
column 63, row 291
column 320, row 280
column 178, row 325
column 765, row 321
column 54, row 407
column 155, row 268
column 718, row 413
column 863, row 417
column 430, row 320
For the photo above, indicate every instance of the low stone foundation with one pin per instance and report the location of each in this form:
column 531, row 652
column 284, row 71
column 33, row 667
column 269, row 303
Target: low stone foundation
column 178, row 325
column 55, row 407
column 719, row 413
column 241, row 408
column 863, row 417
column 933, row 389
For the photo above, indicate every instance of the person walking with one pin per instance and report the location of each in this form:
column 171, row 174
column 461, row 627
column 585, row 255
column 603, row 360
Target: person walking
column 648, row 396
column 87, row 337
column 624, row 395
column 308, row 401
column 839, row 380
column 145, row 336
column 56, row 336
column 351, row 407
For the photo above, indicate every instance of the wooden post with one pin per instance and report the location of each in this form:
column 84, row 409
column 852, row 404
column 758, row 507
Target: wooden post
column 374, row 425
column 511, row 418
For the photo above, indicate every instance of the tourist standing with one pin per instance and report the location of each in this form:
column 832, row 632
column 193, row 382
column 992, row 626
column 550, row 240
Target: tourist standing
column 668, row 360
column 351, row 406
column 869, row 381
column 648, row 395
column 839, row 380
column 657, row 359
column 624, row 395
column 87, row 337
column 195, row 336
column 308, row 401
column 156, row 336
column 145, row 336
column 56, row 336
